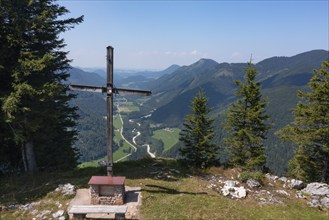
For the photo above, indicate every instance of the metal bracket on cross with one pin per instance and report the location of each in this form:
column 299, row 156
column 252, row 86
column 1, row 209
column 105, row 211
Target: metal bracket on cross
column 109, row 90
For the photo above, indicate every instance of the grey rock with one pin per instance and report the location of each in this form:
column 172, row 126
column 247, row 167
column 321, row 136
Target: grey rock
column 58, row 214
column 296, row 184
column 271, row 177
column 225, row 191
column 102, row 163
column 44, row 212
column 270, row 201
column 67, row 189
column 283, row 179
column 230, row 189
column 26, row 206
column 300, row 195
column 253, row 183
column 315, row 197
column 314, row 203
column 325, row 202
column 317, row 189
column 282, row 192
column 231, row 183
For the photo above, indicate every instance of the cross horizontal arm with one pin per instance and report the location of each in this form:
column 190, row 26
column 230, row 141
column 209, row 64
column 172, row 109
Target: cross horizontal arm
column 88, row 88
column 132, row 92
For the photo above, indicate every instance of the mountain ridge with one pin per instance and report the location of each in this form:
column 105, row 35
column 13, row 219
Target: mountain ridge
column 172, row 93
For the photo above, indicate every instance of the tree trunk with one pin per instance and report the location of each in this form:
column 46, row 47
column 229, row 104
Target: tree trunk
column 24, row 157
column 325, row 169
column 29, row 161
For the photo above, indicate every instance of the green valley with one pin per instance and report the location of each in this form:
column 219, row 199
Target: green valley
column 169, row 137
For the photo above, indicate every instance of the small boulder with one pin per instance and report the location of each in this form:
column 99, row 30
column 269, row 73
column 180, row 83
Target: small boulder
column 314, row 203
column 325, row 202
column 102, row 163
column 253, row 183
column 67, row 189
column 283, row 179
column 58, row 214
column 271, row 177
column 230, row 189
column 231, row 183
column 240, row 192
column 43, row 213
column 296, row 184
column 317, row 189
column 299, row 195
column 234, row 192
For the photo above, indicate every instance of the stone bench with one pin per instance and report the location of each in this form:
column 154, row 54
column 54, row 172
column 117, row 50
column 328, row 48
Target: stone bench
column 98, row 211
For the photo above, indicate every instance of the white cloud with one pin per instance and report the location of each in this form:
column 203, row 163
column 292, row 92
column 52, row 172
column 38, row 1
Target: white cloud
column 195, row 53
column 183, row 53
column 236, row 55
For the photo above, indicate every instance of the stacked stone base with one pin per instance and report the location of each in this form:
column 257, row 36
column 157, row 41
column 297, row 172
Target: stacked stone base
column 107, row 194
column 108, row 200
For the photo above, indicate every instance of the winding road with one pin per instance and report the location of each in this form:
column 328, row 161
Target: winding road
column 134, row 139
column 148, row 150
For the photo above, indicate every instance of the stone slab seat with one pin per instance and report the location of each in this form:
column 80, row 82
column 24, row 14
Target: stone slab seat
column 80, row 211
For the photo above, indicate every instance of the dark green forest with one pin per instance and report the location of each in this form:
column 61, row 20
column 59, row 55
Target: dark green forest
column 37, row 122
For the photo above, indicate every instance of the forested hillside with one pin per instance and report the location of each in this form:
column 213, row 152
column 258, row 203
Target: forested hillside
column 280, row 78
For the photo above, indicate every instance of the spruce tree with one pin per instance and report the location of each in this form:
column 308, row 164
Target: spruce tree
column 310, row 130
column 246, row 124
column 197, row 135
column 35, row 102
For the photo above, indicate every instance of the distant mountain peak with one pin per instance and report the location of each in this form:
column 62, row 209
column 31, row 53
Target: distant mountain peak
column 204, row 63
column 170, row 69
column 174, row 66
column 207, row 61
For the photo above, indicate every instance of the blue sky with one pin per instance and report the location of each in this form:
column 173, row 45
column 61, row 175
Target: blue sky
column 156, row 34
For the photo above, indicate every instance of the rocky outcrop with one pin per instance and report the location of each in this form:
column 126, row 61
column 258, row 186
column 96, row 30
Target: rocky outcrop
column 253, row 183
column 274, row 192
column 271, row 177
column 319, row 189
column 67, row 189
column 294, row 184
column 230, row 189
column 319, row 193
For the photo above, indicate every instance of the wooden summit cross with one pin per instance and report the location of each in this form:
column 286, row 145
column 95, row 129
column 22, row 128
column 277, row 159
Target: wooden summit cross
column 109, row 90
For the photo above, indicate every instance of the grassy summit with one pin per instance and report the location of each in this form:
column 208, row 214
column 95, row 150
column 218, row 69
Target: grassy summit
column 169, row 191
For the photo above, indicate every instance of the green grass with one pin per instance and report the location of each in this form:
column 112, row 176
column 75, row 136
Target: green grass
column 127, row 107
column 117, row 138
column 165, row 194
column 169, row 137
column 117, row 122
column 120, row 152
column 93, row 163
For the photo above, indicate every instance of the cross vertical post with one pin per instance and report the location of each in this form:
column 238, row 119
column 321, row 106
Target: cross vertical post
column 109, row 97
column 109, row 90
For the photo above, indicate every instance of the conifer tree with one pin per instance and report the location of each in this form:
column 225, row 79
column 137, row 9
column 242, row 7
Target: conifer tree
column 197, row 135
column 310, row 130
column 34, row 67
column 246, row 124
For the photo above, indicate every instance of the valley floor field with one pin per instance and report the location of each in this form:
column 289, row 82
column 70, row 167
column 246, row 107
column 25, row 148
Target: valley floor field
column 169, row 136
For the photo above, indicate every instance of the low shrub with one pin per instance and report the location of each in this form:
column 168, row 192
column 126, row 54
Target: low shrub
column 246, row 175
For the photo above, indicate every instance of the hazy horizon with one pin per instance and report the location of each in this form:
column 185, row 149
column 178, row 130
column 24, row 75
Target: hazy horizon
column 156, row 34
